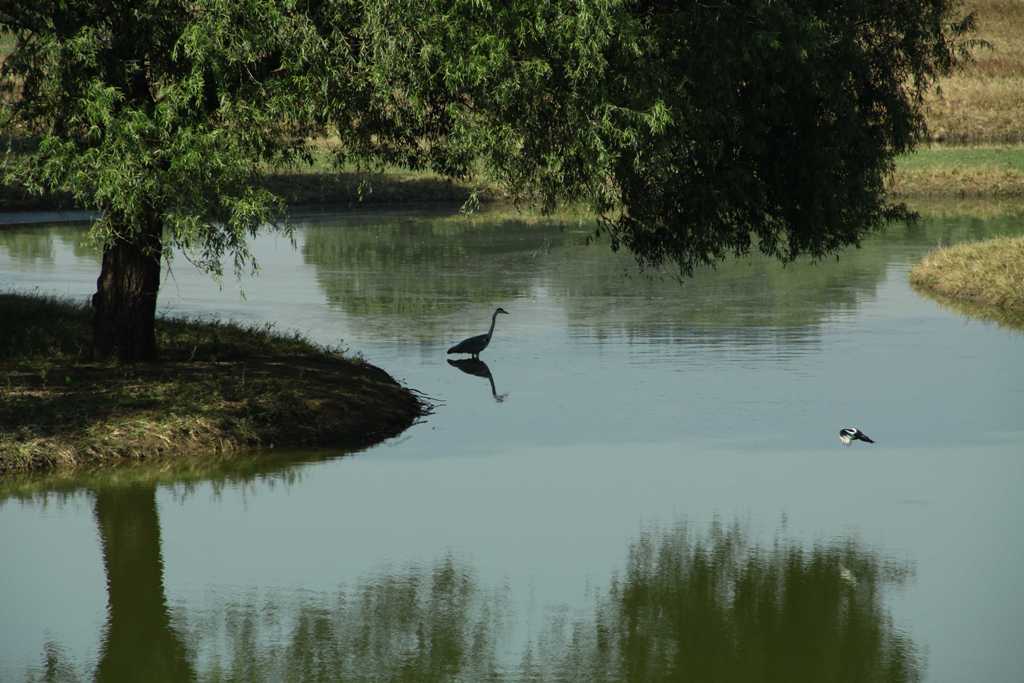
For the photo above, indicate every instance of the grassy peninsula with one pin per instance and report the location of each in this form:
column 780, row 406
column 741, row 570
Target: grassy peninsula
column 218, row 388
column 982, row 279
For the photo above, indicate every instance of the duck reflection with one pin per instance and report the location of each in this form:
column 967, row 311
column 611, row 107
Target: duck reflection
column 475, row 366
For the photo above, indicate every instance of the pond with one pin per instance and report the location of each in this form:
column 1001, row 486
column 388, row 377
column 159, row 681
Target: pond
column 643, row 477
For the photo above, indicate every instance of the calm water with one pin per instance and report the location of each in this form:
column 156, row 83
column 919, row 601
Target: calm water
column 644, row 479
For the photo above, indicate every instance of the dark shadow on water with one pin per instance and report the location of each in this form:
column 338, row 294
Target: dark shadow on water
column 477, row 368
column 139, row 639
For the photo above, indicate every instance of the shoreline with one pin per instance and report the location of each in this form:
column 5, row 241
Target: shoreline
column 219, row 389
column 970, row 171
column 978, row 279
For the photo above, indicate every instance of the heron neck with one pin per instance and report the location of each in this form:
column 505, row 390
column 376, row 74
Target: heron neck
column 493, row 318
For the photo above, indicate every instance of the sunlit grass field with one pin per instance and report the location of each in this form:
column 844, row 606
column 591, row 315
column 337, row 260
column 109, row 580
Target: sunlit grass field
column 975, row 117
column 984, row 102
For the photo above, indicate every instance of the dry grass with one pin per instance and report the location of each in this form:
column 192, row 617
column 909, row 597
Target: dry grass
column 977, row 116
column 984, row 103
column 984, row 278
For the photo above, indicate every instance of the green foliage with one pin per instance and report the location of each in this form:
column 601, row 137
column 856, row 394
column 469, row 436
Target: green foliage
column 696, row 129
column 162, row 109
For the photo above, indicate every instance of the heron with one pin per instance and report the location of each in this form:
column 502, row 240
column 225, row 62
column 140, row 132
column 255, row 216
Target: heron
column 474, row 345
column 850, row 434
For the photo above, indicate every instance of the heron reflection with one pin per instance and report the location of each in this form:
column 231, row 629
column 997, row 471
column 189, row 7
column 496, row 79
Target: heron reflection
column 475, row 366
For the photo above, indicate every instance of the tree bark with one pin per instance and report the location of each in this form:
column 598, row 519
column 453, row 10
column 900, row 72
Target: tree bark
column 124, row 305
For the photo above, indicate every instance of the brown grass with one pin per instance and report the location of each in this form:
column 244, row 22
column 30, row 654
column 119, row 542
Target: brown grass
column 985, row 278
column 984, row 103
column 963, row 182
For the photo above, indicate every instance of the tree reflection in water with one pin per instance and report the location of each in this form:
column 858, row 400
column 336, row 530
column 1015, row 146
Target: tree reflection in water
column 717, row 608
column 690, row 605
column 703, row 607
column 139, row 642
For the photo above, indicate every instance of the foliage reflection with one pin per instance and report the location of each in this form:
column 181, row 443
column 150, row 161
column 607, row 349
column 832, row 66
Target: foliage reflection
column 707, row 605
column 715, row 607
column 413, row 280
column 690, row 606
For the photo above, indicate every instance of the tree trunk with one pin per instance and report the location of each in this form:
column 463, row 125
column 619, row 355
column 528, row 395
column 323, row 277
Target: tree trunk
column 124, row 305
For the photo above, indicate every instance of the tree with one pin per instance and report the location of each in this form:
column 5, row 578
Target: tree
column 159, row 115
column 695, row 128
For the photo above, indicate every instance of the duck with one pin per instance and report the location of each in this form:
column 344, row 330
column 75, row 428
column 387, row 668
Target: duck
column 850, row 434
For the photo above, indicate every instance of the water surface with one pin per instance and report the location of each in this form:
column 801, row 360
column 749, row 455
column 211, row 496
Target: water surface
column 643, row 476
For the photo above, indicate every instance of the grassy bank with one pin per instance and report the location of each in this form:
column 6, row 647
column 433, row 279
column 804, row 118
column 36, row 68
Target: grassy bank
column 218, row 388
column 986, row 171
column 983, row 279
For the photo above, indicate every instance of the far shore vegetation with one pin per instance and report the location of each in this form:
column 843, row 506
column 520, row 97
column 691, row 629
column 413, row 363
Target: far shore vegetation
column 219, row 388
column 982, row 279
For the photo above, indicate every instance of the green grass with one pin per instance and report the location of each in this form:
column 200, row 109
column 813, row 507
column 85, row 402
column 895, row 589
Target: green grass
column 218, row 388
column 984, row 279
column 1007, row 157
column 995, row 171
